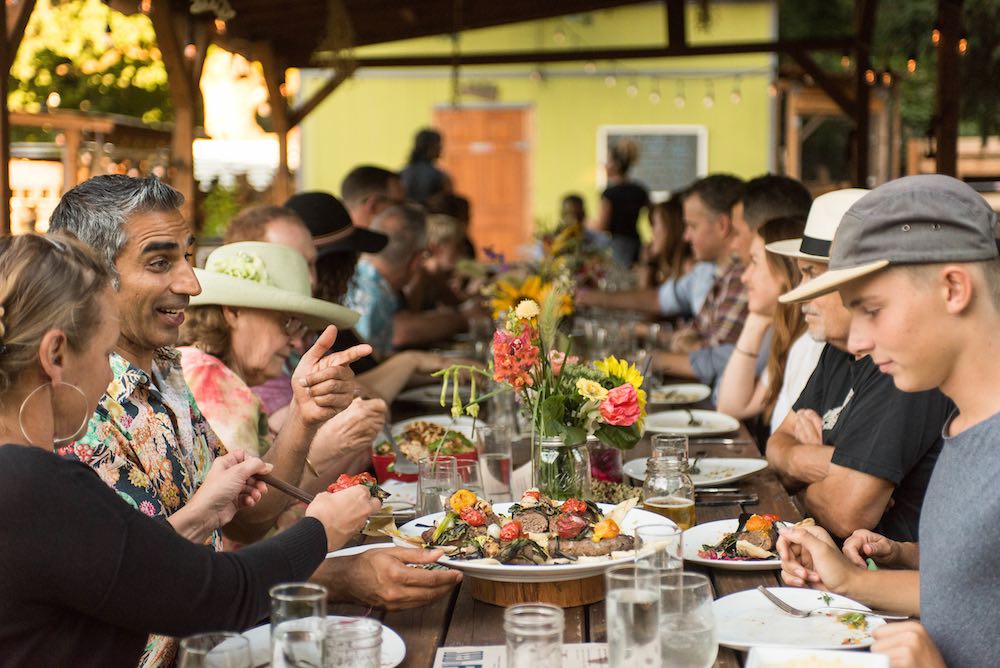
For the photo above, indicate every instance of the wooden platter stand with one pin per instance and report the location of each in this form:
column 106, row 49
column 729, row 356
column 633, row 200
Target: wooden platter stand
column 566, row 594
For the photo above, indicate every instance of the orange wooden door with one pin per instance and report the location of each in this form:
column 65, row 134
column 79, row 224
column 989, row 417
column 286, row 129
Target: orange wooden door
column 487, row 153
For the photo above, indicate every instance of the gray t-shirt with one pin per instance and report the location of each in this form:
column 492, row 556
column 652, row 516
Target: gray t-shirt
column 960, row 548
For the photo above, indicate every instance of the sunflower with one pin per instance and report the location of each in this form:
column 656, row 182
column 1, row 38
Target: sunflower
column 621, row 371
column 509, row 293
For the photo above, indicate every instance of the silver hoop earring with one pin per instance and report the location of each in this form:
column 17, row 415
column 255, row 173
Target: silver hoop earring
column 55, row 438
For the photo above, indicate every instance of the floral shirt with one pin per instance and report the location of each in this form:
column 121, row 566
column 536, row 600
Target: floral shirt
column 372, row 296
column 150, row 443
column 234, row 411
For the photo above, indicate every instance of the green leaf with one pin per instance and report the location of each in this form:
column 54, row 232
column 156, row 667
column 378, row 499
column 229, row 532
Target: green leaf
column 623, row 438
column 552, row 412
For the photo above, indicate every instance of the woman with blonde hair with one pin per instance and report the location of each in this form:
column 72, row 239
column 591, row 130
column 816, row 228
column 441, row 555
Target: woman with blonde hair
column 85, row 577
column 756, row 369
column 622, row 202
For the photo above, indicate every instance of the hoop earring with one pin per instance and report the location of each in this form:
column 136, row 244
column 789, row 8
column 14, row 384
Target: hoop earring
column 55, row 439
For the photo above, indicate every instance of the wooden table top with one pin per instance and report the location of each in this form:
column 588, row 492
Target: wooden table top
column 458, row 619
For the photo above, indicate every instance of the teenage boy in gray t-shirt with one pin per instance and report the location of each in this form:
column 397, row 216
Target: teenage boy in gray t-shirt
column 916, row 262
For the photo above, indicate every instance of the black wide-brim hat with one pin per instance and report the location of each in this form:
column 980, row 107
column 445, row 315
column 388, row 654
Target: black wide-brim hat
column 330, row 224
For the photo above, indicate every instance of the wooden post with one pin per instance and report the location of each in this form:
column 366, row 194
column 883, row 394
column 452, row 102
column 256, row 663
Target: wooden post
column 864, row 26
column 676, row 24
column 71, row 157
column 5, row 59
column 948, row 86
column 274, row 76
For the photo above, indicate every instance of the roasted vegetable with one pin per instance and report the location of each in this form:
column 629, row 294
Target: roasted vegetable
column 461, row 499
column 366, row 479
column 605, row 529
column 511, row 531
column 522, row 550
column 570, row 526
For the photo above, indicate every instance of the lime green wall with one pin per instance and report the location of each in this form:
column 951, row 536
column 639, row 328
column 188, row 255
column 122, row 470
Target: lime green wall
column 372, row 119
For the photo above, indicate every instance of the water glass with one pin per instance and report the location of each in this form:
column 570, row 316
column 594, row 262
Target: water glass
column 215, row 650
column 297, row 601
column 534, row 635
column 671, row 445
column 632, row 608
column 298, row 644
column 469, row 476
column 659, row 547
column 353, row 642
column 687, row 621
column 437, row 481
column 494, row 444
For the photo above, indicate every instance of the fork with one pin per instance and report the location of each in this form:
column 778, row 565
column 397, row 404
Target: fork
column 693, row 468
column 692, row 420
column 402, row 464
column 798, row 612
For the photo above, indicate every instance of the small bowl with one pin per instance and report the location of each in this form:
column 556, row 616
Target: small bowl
column 383, row 473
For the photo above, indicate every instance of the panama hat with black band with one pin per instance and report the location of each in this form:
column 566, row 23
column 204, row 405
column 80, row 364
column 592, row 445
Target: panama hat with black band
column 922, row 219
column 821, row 224
column 254, row 274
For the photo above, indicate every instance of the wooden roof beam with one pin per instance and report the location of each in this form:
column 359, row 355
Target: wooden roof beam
column 676, row 24
column 622, row 53
column 343, row 73
column 16, row 22
column 819, row 75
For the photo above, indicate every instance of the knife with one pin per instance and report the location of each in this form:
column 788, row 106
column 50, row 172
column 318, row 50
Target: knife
column 723, row 500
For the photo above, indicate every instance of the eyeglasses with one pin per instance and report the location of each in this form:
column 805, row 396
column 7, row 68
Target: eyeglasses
column 294, row 327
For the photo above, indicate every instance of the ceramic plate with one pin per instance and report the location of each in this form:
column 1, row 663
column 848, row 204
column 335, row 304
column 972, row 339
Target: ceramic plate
column 393, row 647
column 712, row 471
column 776, row 657
column 679, row 394
column 462, row 425
column 746, row 619
column 431, row 395
column 677, row 422
column 711, row 533
column 546, row 573
column 358, row 549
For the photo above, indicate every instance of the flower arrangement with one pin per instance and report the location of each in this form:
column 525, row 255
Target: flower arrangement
column 510, row 290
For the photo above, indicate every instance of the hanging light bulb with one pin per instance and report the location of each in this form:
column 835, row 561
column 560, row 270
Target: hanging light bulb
column 590, row 67
column 190, row 51
column 736, row 95
column 936, row 34
column 145, row 6
column 610, row 81
column 887, row 78
column 963, row 44
column 870, row 76
column 53, row 100
column 911, row 63
column 559, row 37
column 220, row 26
column 709, row 99
column 654, row 95
column 679, row 99
column 633, row 89
column 535, row 75
column 845, row 61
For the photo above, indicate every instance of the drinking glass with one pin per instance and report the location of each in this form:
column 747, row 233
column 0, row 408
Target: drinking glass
column 353, row 642
column 659, row 547
column 215, row 650
column 632, row 608
column 436, row 482
column 534, row 635
column 297, row 601
column 494, row 445
column 298, row 644
column 671, row 445
column 469, row 476
column 687, row 621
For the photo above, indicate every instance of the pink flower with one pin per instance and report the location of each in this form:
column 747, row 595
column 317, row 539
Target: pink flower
column 514, row 357
column 557, row 359
column 147, row 508
column 621, row 407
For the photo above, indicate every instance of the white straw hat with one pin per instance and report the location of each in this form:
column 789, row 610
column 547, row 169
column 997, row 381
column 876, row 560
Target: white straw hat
column 253, row 274
column 824, row 217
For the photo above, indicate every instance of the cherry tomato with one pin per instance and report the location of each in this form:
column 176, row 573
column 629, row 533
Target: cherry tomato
column 473, row 517
column 511, row 531
column 574, row 506
column 534, row 494
column 343, row 482
column 570, row 526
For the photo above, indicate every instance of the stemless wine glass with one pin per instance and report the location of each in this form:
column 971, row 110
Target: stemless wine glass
column 215, row 650
column 494, row 445
column 294, row 602
column 469, row 476
column 687, row 621
column 534, row 635
column 437, row 480
column 659, row 546
column 298, row 644
column 633, row 612
column 353, row 642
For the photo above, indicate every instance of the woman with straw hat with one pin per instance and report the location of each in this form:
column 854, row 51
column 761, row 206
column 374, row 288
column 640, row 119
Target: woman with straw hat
column 254, row 308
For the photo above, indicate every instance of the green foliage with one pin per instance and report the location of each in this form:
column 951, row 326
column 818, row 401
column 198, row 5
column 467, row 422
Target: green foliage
column 96, row 59
column 219, row 207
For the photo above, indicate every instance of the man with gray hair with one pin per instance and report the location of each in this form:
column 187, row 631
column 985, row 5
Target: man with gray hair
column 379, row 278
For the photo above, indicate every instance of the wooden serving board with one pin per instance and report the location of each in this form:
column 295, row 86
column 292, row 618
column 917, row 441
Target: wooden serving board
column 565, row 594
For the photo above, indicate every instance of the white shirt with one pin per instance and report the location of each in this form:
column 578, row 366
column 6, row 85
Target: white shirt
column 802, row 359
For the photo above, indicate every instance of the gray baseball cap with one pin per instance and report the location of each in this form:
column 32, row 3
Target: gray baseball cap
column 921, row 219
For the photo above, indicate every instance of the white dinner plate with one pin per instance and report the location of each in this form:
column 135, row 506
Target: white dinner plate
column 679, row 394
column 774, row 657
column 676, row 422
column 462, row 425
column 543, row 573
column 747, row 619
column 431, row 395
column 358, row 549
column 711, row 533
column 393, row 647
column 711, row 470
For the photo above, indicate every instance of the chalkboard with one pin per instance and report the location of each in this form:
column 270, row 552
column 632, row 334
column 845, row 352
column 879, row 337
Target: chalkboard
column 670, row 156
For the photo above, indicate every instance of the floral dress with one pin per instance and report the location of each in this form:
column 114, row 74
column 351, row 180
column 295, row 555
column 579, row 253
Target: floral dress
column 149, row 441
column 372, row 296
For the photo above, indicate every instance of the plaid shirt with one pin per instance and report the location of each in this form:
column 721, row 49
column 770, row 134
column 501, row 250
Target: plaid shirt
column 721, row 317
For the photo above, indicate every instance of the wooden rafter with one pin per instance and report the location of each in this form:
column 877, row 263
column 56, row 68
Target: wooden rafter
column 16, row 21
column 676, row 23
column 274, row 77
column 823, row 80
column 299, row 113
column 864, row 29
column 948, row 86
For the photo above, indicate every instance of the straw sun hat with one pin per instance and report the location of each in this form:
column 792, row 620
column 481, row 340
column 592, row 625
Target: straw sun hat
column 252, row 274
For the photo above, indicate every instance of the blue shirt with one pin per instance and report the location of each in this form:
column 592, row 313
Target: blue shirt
column 686, row 295
column 372, row 296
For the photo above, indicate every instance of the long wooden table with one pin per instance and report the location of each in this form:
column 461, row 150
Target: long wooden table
column 458, row 619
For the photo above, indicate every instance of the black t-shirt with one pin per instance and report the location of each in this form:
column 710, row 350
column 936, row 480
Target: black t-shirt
column 422, row 180
column 880, row 430
column 627, row 199
column 84, row 578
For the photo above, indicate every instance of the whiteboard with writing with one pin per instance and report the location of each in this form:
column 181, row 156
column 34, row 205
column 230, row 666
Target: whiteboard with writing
column 670, row 156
